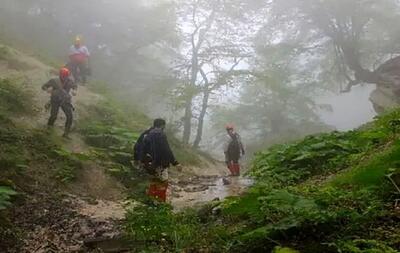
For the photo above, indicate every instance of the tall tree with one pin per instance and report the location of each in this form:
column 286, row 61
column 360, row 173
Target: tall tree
column 211, row 50
column 356, row 38
column 274, row 104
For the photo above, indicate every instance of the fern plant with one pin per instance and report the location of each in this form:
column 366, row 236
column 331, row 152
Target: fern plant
column 5, row 196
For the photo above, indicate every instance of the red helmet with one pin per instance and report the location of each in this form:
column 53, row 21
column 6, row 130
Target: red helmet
column 229, row 127
column 64, row 73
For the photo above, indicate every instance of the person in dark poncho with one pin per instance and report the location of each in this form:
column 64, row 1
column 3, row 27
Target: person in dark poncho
column 156, row 156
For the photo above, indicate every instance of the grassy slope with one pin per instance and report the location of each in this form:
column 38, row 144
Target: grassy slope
column 326, row 193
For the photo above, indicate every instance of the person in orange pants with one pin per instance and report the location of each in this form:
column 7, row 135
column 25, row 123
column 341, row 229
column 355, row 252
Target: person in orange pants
column 233, row 149
column 157, row 156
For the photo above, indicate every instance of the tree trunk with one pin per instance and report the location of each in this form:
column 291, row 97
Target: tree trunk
column 203, row 112
column 187, row 118
column 187, row 121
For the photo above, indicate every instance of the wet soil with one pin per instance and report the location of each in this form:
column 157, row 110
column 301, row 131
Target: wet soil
column 198, row 190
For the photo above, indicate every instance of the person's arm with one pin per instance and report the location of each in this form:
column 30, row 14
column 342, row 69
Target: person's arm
column 88, row 65
column 166, row 149
column 73, row 86
column 49, row 84
column 241, row 145
column 227, row 141
column 86, row 50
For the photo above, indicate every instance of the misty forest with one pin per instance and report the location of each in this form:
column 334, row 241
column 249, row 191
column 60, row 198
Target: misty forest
column 200, row 126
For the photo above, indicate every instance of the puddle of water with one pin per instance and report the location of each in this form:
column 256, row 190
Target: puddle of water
column 216, row 189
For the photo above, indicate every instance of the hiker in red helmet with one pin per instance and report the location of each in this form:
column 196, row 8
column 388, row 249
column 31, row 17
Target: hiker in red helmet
column 233, row 149
column 79, row 61
column 60, row 88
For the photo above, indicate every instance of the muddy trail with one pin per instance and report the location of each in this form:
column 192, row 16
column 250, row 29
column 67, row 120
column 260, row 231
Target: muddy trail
column 197, row 186
column 88, row 213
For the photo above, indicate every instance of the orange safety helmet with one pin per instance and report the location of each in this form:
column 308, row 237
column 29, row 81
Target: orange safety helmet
column 229, row 127
column 64, row 73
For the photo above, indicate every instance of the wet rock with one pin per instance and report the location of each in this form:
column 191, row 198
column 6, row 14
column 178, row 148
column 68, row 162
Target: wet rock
column 226, row 181
column 183, row 182
column 117, row 244
column 175, row 195
column 210, row 177
column 197, row 188
column 216, row 210
column 177, row 189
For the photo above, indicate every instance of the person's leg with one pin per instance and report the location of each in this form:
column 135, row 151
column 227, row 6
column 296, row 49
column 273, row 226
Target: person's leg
column 73, row 67
column 53, row 114
column 229, row 164
column 68, row 111
column 159, row 185
column 82, row 72
column 236, row 167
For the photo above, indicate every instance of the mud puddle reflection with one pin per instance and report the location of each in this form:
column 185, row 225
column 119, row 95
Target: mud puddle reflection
column 199, row 190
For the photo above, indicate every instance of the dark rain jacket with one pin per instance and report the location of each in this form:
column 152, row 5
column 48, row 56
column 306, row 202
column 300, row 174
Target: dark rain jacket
column 233, row 147
column 60, row 91
column 156, row 147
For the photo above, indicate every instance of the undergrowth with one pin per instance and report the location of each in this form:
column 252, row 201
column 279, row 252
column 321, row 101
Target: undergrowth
column 29, row 159
column 325, row 193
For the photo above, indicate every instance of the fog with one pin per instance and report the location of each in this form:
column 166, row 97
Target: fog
column 277, row 70
column 349, row 110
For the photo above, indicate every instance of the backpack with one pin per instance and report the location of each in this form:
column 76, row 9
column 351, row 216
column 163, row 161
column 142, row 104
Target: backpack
column 138, row 149
column 234, row 145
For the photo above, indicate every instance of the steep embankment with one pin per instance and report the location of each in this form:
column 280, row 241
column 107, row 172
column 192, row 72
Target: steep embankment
column 63, row 195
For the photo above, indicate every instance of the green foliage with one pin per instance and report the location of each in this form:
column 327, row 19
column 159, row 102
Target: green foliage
column 315, row 194
column 5, row 52
column 14, row 98
column 115, row 141
column 284, row 250
column 12, row 58
column 67, row 164
column 322, row 154
column 5, row 196
column 364, row 246
column 21, row 148
column 158, row 225
column 291, row 163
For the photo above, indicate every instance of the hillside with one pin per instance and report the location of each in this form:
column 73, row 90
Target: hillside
column 57, row 193
column 335, row 192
